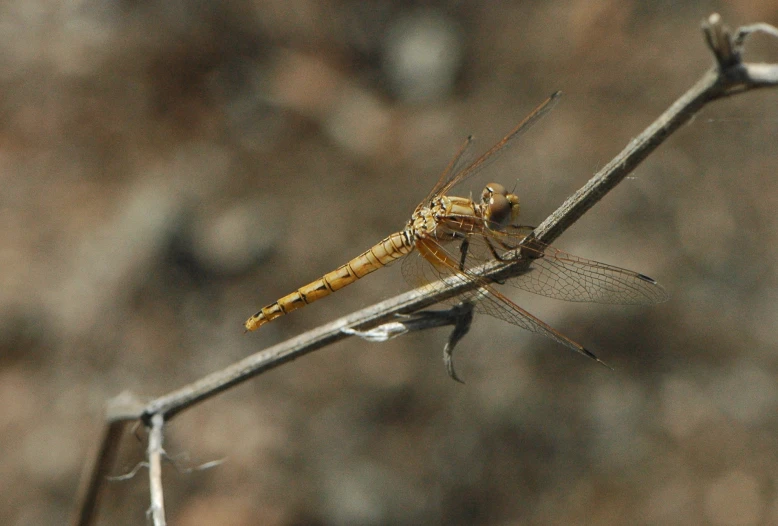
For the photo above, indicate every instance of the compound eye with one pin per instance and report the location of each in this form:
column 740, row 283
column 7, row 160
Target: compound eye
column 490, row 190
column 497, row 188
column 498, row 211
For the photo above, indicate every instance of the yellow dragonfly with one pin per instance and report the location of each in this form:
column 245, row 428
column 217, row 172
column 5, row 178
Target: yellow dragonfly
column 484, row 230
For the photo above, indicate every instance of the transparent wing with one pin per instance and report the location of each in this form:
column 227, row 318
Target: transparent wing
column 557, row 274
column 454, row 174
column 454, row 166
column 441, row 263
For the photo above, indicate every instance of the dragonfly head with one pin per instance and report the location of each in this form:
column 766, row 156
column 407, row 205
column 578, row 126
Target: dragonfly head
column 501, row 207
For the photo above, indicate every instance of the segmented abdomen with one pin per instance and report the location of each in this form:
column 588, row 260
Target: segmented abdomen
column 379, row 255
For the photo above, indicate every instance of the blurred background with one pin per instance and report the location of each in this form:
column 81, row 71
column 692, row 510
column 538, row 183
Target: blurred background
column 169, row 167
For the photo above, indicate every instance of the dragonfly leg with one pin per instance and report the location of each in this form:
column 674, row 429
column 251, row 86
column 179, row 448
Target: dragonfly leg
column 493, row 250
column 496, row 256
column 505, row 246
column 508, row 246
column 463, row 248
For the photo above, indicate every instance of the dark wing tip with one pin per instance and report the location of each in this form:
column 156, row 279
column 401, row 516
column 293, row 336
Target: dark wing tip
column 593, row 356
column 649, row 279
column 659, row 294
column 556, row 94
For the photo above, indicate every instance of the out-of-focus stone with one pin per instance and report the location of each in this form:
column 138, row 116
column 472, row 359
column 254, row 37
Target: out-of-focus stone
column 422, row 56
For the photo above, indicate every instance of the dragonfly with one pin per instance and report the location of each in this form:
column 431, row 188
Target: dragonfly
column 485, row 231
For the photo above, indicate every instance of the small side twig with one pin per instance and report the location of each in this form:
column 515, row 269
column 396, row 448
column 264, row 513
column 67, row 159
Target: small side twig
column 407, row 323
column 155, row 454
column 122, row 411
column 460, row 316
column 464, row 318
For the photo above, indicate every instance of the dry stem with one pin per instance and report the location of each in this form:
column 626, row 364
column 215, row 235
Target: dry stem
column 729, row 76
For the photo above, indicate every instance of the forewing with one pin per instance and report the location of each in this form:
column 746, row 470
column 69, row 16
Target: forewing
column 463, row 167
column 557, row 274
column 483, row 161
column 460, row 159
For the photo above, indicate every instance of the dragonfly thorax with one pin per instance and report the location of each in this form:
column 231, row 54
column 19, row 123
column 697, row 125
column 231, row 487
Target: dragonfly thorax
column 446, row 218
column 449, row 217
column 423, row 222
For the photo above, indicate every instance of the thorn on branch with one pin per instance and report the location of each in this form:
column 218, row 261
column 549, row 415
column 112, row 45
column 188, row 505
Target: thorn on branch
column 727, row 48
column 719, row 39
column 735, row 76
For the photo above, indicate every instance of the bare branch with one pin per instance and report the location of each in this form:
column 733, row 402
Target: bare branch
column 730, row 76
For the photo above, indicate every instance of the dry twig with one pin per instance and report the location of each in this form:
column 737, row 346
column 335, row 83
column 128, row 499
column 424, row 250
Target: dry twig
column 729, row 76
